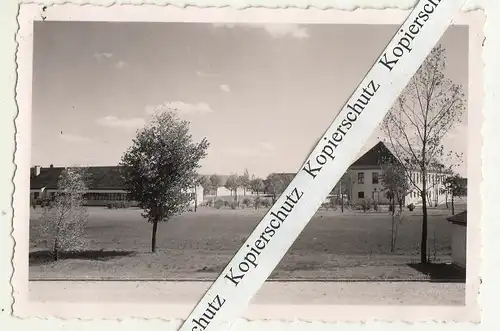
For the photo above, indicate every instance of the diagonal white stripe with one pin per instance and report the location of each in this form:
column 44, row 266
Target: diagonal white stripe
column 336, row 149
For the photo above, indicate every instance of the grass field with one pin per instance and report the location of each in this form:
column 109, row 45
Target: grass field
column 198, row 245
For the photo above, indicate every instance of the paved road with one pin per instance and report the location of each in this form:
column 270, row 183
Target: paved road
column 176, row 299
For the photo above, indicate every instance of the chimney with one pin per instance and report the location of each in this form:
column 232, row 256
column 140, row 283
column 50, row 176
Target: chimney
column 35, row 171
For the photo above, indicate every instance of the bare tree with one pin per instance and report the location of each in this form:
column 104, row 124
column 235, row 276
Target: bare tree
column 396, row 187
column 65, row 217
column 428, row 108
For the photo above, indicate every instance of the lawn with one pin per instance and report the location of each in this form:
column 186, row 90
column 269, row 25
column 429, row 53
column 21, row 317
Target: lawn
column 198, row 245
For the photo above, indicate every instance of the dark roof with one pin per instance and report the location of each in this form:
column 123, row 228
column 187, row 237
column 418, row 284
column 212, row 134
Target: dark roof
column 460, row 218
column 376, row 156
column 100, row 178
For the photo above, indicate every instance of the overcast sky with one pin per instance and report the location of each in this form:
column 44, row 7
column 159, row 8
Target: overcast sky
column 262, row 95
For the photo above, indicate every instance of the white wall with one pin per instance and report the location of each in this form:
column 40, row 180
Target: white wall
column 459, row 244
column 371, row 190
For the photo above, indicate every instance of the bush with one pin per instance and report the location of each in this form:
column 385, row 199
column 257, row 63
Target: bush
column 233, row 205
column 247, row 202
column 364, row 204
column 218, row 204
column 226, row 203
column 266, row 203
column 257, row 201
column 375, row 206
column 411, row 207
column 209, row 203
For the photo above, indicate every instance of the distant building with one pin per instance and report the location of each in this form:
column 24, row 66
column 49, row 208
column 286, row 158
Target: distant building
column 365, row 175
column 365, row 182
column 104, row 185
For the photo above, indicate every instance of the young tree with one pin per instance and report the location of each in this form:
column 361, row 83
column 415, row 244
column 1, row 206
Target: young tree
column 216, row 182
column 159, row 169
column 396, row 186
column 257, row 185
column 343, row 188
column 244, row 181
column 64, row 219
column 455, row 187
column 232, row 184
column 428, row 108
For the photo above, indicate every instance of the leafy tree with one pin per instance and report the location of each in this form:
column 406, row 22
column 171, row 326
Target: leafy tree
column 216, row 182
column 276, row 183
column 159, row 169
column 257, row 185
column 244, row 181
column 64, row 219
column 232, row 184
column 455, row 186
column 205, row 182
column 427, row 109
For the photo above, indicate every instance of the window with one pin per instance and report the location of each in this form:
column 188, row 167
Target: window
column 361, row 195
column 374, row 177
column 361, row 177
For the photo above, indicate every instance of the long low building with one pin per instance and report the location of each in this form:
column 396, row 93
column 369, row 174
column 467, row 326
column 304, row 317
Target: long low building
column 104, row 184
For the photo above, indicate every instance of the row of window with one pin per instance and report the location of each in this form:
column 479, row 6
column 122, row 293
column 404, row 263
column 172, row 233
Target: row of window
column 431, row 178
column 413, row 194
column 416, row 178
column 361, row 177
column 106, row 196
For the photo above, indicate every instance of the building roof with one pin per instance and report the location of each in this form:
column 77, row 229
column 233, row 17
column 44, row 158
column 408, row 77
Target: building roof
column 100, row 178
column 376, row 156
column 460, row 218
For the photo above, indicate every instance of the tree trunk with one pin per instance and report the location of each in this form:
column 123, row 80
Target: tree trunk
column 341, row 197
column 446, row 199
column 195, row 199
column 423, row 243
column 452, row 205
column 153, row 237
column 55, row 251
column 393, row 228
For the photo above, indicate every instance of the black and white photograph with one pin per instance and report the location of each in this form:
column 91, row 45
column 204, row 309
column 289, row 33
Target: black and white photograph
column 157, row 147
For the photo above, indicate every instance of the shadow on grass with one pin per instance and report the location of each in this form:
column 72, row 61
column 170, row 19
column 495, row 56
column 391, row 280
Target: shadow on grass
column 45, row 256
column 440, row 271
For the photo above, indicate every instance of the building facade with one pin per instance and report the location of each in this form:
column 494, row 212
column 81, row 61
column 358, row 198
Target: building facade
column 104, row 184
column 365, row 179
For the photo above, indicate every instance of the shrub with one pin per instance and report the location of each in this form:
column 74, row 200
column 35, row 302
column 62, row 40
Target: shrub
column 411, row 207
column 266, row 203
column 209, row 203
column 218, row 204
column 375, row 206
column 364, row 204
column 226, row 203
column 233, row 205
column 257, row 202
column 247, row 202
